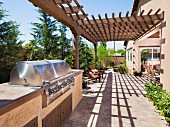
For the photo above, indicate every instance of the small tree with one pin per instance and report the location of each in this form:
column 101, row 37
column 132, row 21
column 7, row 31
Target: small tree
column 103, row 55
column 104, row 44
column 122, row 52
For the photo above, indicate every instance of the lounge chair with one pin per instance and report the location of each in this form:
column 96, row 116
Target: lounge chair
column 151, row 74
column 147, row 72
column 94, row 76
column 93, row 69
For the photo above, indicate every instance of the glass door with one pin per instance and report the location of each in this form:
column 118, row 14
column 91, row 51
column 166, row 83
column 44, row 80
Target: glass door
column 150, row 56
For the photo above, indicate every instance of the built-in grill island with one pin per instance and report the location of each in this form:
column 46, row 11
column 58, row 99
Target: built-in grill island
column 40, row 94
column 55, row 76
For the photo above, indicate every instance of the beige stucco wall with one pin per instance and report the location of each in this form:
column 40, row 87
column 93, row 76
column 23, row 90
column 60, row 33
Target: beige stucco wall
column 77, row 91
column 129, row 64
column 164, row 5
column 142, row 42
column 21, row 115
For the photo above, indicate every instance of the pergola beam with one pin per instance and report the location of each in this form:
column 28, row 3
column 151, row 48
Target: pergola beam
column 96, row 30
column 97, row 27
column 109, row 26
column 62, row 1
column 146, row 17
column 79, row 17
column 54, row 10
column 102, row 26
column 124, row 24
column 72, row 9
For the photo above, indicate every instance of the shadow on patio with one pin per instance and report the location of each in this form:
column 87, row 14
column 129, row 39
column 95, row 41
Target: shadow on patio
column 118, row 102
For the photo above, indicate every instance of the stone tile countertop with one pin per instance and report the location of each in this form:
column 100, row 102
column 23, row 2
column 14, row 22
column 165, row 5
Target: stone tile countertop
column 9, row 93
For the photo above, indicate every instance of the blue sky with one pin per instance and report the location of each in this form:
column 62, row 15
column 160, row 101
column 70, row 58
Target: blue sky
column 23, row 12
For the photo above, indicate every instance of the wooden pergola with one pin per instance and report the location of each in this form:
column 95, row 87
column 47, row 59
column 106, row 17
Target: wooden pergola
column 101, row 29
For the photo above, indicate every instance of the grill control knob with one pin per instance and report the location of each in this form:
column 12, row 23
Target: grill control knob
column 50, row 92
column 59, row 85
column 72, row 79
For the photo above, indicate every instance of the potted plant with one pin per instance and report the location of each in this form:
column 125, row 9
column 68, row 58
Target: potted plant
column 84, row 84
column 143, row 58
column 137, row 73
column 99, row 66
column 122, row 68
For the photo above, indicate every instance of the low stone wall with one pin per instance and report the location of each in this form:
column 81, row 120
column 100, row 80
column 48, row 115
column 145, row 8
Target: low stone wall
column 118, row 59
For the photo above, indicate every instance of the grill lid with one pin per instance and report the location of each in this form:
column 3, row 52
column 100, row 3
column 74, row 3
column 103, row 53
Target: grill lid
column 33, row 73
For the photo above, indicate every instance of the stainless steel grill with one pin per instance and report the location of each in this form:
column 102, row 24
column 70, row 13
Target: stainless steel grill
column 55, row 76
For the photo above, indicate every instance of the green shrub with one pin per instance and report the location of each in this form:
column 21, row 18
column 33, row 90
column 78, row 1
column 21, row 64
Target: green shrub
column 99, row 66
column 122, row 68
column 136, row 73
column 160, row 98
column 84, row 84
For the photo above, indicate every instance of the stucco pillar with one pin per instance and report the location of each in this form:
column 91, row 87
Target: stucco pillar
column 95, row 53
column 76, row 51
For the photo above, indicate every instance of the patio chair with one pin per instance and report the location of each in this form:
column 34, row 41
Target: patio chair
column 151, row 74
column 147, row 73
column 93, row 69
column 94, row 76
column 155, row 75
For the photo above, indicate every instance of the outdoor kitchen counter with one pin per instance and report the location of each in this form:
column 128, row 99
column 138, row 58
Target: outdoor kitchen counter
column 8, row 93
column 27, row 105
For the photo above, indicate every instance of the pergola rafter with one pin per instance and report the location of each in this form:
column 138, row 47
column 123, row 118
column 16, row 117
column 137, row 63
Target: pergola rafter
column 102, row 29
column 62, row 1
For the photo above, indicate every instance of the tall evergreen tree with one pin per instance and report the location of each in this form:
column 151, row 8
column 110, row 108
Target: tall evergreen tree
column 85, row 55
column 10, row 44
column 45, row 37
column 65, row 43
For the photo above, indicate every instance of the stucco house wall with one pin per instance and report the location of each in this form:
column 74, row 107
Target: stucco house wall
column 144, row 42
column 129, row 64
column 164, row 27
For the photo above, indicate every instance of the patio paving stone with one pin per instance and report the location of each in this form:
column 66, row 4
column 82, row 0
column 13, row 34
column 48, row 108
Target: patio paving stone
column 118, row 101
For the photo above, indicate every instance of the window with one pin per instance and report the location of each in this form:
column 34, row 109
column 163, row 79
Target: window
column 151, row 56
column 129, row 55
